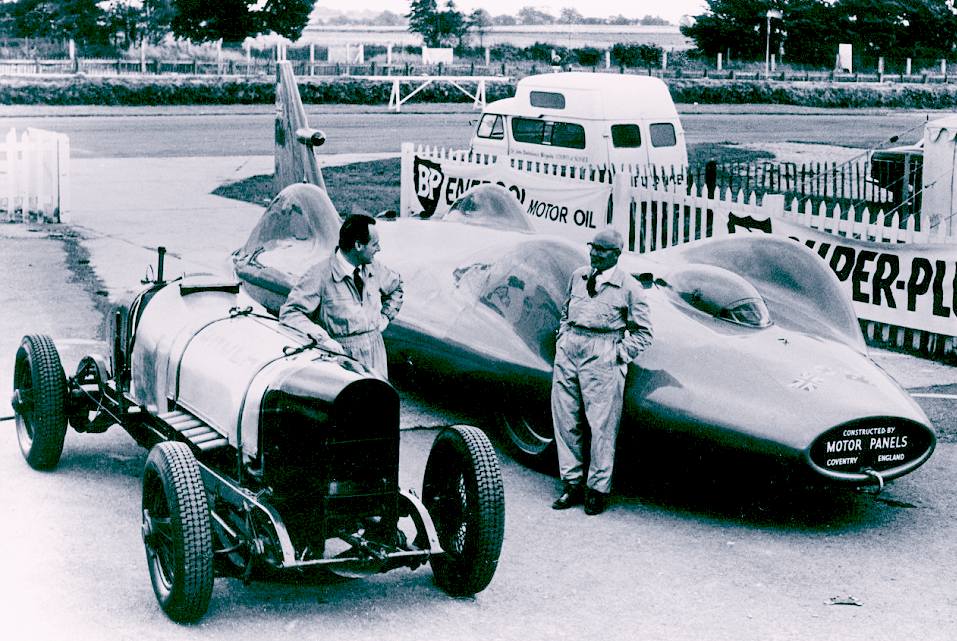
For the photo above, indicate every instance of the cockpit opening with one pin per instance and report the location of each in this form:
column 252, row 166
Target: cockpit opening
column 720, row 293
column 489, row 206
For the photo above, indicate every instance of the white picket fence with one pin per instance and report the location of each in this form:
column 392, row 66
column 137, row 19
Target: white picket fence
column 661, row 218
column 34, row 176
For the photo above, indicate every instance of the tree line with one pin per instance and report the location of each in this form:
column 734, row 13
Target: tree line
column 527, row 15
column 809, row 31
column 798, row 31
column 131, row 22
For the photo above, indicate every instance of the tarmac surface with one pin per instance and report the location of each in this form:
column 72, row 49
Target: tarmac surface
column 709, row 564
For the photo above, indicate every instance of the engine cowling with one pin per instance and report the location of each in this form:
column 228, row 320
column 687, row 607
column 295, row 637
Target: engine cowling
column 202, row 346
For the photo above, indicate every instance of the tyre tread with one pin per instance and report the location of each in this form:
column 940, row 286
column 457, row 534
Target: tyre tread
column 49, row 398
column 468, row 576
column 192, row 587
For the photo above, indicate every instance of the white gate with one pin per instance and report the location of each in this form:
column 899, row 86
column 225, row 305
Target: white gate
column 34, row 176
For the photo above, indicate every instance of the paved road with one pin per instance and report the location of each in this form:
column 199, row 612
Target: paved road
column 247, row 130
column 689, row 554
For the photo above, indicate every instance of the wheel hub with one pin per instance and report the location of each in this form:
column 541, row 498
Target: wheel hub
column 147, row 529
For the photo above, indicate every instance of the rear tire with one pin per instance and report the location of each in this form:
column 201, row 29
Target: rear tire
column 530, row 436
column 177, row 533
column 39, row 400
column 463, row 493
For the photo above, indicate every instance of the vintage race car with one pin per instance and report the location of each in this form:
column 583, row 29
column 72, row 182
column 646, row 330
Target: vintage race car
column 266, row 451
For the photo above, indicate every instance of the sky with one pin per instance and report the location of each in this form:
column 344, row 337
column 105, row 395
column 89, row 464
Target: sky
column 671, row 10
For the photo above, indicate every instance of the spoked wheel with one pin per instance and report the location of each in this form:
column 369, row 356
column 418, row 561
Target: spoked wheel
column 463, row 493
column 176, row 532
column 39, row 401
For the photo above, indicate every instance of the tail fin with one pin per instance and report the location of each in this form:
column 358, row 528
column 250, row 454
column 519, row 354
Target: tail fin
column 295, row 158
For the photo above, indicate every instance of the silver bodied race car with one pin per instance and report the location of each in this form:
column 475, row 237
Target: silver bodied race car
column 757, row 349
column 266, row 452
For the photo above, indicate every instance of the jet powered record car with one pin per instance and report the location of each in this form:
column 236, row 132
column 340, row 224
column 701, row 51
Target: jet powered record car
column 266, row 452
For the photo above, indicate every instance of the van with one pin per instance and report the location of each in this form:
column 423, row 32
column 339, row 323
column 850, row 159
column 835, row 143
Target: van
column 578, row 118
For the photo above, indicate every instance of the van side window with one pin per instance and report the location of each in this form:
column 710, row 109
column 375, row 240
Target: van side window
column 663, row 134
column 491, row 126
column 625, row 136
column 547, row 99
column 565, row 134
column 528, row 130
column 541, row 132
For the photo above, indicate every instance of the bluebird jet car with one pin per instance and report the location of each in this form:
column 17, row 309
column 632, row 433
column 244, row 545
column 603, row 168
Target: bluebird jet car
column 756, row 346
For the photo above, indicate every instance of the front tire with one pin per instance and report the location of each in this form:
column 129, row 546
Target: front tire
column 463, row 493
column 39, row 401
column 177, row 533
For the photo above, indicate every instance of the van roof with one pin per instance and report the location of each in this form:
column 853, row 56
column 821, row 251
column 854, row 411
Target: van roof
column 598, row 96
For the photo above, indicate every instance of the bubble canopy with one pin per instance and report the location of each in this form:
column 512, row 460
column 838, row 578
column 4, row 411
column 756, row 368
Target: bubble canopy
column 489, row 206
column 720, row 293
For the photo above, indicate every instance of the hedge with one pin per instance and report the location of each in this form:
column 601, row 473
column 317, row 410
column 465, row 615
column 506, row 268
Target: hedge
column 186, row 90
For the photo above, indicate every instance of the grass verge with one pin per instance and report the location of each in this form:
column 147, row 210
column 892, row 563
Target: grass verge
column 374, row 186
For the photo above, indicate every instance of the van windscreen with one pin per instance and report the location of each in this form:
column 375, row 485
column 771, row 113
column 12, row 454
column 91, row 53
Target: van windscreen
column 663, row 134
column 625, row 136
column 547, row 99
column 491, row 127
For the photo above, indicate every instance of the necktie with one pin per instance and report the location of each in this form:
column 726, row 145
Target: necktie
column 357, row 280
column 590, row 284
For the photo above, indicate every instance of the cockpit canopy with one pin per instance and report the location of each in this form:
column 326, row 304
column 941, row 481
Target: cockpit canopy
column 720, row 293
column 489, row 206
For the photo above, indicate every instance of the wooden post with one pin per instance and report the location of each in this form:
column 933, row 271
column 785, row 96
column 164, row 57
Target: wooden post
column 312, row 58
column 142, row 56
column 664, row 59
column 719, row 61
column 488, row 56
column 907, row 68
column 607, row 59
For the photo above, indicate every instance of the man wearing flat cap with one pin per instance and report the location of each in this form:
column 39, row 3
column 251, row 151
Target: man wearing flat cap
column 604, row 327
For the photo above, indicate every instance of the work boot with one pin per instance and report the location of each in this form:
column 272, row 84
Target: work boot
column 595, row 502
column 572, row 495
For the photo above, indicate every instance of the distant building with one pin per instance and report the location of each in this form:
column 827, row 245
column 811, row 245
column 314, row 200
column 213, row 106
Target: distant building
column 668, row 37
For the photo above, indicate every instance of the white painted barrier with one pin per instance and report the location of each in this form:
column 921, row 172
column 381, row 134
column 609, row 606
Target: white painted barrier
column 34, row 176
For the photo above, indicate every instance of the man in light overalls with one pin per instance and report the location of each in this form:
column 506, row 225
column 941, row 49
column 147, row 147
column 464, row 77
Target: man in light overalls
column 346, row 301
column 604, row 327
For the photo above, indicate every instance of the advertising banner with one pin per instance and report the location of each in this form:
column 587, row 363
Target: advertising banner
column 908, row 285
column 568, row 207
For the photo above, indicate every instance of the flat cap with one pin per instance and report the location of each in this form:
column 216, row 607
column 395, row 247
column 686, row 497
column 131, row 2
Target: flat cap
column 608, row 238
